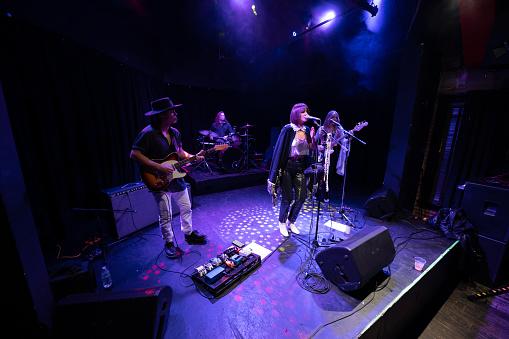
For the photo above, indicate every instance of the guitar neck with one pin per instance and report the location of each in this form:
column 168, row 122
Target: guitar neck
column 181, row 163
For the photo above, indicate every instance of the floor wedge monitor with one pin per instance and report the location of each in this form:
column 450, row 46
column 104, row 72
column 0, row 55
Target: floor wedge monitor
column 353, row 262
column 141, row 313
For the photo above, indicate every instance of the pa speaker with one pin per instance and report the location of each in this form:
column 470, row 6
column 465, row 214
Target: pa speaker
column 382, row 204
column 487, row 209
column 493, row 270
column 353, row 262
column 140, row 313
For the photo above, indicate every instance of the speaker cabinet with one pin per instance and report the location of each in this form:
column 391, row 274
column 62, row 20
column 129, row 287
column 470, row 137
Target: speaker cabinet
column 487, row 209
column 382, row 204
column 140, row 313
column 493, row 270
column 353, row 262
column 134, row 208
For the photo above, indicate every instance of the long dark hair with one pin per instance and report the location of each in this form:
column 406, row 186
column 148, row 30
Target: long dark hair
column 216, row 121
column 328, row 125
column 297, row 109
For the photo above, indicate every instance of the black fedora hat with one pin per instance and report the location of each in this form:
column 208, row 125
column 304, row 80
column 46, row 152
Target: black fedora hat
column 161, row 105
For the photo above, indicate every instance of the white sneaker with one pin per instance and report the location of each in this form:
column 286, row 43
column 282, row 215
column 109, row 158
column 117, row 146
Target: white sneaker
column 294, row 229
column 283, row 230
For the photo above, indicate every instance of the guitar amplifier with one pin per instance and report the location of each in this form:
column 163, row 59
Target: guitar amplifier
column 134, row 208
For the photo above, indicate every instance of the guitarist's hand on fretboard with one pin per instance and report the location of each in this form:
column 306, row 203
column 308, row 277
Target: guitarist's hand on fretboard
column 199, row 156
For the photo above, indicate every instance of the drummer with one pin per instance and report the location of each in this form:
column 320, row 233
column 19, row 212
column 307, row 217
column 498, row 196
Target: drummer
column 221, row 127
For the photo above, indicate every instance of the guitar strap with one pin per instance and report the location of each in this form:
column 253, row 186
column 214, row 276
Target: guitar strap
column 173, row 140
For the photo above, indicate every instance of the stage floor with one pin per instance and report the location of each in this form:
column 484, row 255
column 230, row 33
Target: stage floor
column 269, row 302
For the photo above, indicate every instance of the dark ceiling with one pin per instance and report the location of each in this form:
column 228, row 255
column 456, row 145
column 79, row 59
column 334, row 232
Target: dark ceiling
column 222, row 43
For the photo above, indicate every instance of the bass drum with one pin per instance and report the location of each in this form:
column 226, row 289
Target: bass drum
column 230, row 159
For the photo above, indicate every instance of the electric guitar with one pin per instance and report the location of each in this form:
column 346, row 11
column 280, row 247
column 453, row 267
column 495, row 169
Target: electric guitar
column 358, row 127
column 156, row 180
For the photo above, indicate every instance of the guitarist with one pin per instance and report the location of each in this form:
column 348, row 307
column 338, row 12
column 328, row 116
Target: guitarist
column 339, row 137
column 157, row 141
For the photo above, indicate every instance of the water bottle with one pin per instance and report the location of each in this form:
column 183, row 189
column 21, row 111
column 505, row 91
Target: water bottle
column 106, row 277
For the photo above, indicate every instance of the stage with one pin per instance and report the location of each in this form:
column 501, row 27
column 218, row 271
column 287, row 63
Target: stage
column 270, row 301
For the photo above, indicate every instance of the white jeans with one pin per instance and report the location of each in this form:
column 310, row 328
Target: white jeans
column 163, row 200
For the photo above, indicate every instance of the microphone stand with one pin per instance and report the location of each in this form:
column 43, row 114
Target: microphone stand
column 347, row 150
column 319, row 185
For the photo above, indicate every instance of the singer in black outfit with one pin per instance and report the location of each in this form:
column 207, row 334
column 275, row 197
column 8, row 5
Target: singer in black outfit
column 292, row 155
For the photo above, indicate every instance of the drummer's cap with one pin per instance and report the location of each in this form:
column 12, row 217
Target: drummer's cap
column 160, row 106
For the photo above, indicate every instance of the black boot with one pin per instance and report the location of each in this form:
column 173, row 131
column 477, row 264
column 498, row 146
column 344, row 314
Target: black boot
column 171, row 251
column 195, row 238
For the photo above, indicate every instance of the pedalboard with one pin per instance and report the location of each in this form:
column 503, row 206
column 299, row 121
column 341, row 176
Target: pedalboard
column 224, row 270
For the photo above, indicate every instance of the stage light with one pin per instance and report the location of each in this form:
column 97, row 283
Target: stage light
column 328, row 16
column 294, row 33
column 254, row 10
column 363, row 4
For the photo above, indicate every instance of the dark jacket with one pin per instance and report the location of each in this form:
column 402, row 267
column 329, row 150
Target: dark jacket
column 282, row 152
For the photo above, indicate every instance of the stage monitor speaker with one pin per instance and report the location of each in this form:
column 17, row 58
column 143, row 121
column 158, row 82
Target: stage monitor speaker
column 382, row 204
column 138, row 314
column 136, row 208
column 353, row 262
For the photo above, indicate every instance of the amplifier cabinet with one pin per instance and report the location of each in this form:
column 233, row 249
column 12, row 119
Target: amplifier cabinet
column 134, row 208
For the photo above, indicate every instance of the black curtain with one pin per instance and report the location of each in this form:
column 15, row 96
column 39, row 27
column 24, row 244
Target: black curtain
column 75, row 113
column 482, row 146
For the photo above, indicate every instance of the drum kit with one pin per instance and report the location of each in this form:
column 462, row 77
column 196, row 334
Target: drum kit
column 233, row 158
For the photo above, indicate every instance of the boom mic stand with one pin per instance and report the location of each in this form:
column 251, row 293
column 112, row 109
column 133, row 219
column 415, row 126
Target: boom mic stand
column 341, row 211
column 316, row 168
column 203, row 164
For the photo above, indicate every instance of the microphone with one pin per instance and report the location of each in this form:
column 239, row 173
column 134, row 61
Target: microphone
column 307, row 116
column 335, row 123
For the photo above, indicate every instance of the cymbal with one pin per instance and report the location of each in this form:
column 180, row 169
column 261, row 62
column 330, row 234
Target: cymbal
column 207, row 132
column 247, row 126
column 246, row 135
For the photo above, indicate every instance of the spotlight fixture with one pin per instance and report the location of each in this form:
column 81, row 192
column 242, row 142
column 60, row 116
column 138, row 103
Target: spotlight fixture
column 363, row 4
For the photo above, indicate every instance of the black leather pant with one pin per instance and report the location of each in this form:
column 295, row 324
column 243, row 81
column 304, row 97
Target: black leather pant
column 293, row 179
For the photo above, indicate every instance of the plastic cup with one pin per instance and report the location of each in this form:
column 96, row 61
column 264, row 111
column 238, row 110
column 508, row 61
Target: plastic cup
column 419, row 263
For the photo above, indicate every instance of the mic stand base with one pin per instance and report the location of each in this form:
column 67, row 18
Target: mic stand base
column 203, row 165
